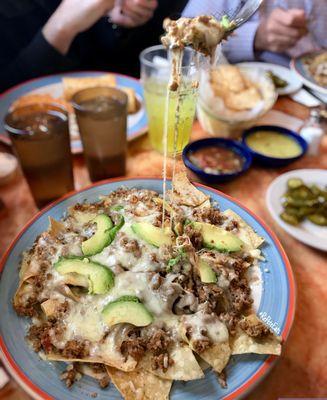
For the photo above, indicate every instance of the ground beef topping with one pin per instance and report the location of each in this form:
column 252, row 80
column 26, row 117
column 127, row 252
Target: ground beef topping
column 210, row 294
column 222, row 379
column 158, row 345
column 41, row 336
column 232, row 225
column 254, row 327
column 240, row 293
column 194, row 235
column 30, row 308
column 71, row 375
column 209, row 215
column 199, row 345
column 231, row 320
column 76, row 349
column 104, row 382
column 133, row 345
column 131, row 246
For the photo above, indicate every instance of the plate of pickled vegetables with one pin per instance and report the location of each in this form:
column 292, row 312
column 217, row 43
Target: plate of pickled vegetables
column 297, row 200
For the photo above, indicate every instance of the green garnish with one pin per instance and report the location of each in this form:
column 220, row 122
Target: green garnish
column 117, row 207
column 132, row 299
column 113, row 231
column 174, row 261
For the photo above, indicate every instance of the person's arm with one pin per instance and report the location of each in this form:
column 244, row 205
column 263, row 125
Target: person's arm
column 47, row 52
column 37, row 59
column 240, row 46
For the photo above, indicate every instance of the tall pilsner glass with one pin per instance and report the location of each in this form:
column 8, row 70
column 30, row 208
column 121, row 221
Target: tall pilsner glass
column 155, row 75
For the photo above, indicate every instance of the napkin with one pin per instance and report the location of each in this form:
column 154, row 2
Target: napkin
column 274, row 117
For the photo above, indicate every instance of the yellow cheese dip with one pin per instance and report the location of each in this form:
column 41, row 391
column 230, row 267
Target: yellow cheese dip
column 273, row 144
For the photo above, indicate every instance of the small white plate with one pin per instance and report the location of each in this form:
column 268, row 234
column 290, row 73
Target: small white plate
column 293, row 82
column 308, row 233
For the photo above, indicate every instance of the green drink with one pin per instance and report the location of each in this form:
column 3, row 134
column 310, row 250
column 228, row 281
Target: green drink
column 156, row 102
column 170, row 112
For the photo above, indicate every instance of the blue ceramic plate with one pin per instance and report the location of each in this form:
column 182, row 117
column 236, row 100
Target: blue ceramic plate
column 137, row 123
column 41, row 378
column 298, row 66
column 232, row 145
column 274, row 161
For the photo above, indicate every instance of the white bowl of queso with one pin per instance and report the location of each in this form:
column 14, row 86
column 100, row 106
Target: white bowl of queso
column 274, row 146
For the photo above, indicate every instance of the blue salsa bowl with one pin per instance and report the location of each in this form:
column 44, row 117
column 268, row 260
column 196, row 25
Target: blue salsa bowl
column 274, row 161
column 236, row 147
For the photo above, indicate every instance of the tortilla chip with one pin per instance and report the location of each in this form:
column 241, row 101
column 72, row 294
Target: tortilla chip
column 132, row 106
column 50, row 307
column 246, row 232
column 74, row 85
column 128, row 365
column 140, row 385
column 245, row 100
column 29, row 269
column 242, row 343
column 39, row 98
column 229, row 77
column 86, row 369
column 217, row 356
column 206, row 204
column 55, row 227
column 184, row 193
column 185, row 367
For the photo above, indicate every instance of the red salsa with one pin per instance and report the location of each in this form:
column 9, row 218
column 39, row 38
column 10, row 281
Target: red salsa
column 217, row 160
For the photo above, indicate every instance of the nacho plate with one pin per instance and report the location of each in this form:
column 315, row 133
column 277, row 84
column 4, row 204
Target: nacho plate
column 41, row 378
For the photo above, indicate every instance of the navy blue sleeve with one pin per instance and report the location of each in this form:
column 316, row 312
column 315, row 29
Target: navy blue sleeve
column 36, row 59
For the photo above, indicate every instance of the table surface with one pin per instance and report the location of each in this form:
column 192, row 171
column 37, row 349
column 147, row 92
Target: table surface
column 301, row 371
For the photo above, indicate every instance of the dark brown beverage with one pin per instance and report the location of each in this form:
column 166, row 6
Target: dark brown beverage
column 106, row 167
column 40, row 137
column 102, row 120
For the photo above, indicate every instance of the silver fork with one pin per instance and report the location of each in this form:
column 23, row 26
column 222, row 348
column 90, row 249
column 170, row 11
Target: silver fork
column 243, row 13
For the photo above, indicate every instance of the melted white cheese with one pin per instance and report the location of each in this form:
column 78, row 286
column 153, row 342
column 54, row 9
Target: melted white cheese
column 215, row 329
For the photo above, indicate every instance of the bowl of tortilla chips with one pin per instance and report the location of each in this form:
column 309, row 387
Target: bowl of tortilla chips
column 233, row 98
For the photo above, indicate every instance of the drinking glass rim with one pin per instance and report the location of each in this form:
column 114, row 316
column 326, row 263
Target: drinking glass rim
column 160, row 47
column 79, row 107
column 20, row 131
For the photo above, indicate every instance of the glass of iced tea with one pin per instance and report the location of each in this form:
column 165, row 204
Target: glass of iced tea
column 40, row 137
column 102, row 120
column 155, row 75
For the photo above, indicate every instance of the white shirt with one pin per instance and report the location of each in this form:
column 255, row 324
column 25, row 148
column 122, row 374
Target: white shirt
column 240, row 46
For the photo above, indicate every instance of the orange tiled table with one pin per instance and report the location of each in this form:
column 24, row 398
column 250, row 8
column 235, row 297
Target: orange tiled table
column 302, row 369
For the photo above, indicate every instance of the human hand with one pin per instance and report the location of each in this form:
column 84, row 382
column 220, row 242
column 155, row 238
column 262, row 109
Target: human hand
column 71, row 18
column 132, row 13
column 281, row 30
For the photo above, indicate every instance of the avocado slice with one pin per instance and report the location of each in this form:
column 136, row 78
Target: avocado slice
column 126, row 309
column 207, row 275
column 101, row 238
column 152, row 234
column 217, row 238
column 100, row 278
